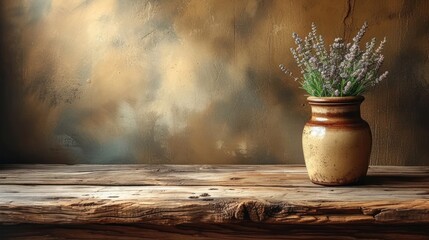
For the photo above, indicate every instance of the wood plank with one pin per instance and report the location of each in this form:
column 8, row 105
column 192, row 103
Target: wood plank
column 198, row 175
column 158, row 210
column 172, row 195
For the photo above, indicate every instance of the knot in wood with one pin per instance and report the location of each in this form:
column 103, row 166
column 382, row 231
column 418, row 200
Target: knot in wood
column 254, row 211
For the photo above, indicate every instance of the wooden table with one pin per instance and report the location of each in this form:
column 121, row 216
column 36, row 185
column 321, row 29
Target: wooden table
column 208, row 202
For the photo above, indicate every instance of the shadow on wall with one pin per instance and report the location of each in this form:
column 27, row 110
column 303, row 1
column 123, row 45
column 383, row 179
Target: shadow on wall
column 158, row 81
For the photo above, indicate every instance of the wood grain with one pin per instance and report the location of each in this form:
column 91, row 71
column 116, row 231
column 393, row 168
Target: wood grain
column 208, row 202
column 169, row 194
column 196, row 175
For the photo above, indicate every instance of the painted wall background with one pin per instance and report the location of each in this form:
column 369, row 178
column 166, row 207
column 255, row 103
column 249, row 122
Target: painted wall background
column 121, row 81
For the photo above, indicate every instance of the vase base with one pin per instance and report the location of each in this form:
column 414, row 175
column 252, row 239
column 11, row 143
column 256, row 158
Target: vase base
column 358, row 181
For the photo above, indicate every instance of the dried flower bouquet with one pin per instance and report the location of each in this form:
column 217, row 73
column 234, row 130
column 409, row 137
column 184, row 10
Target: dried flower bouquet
column 345, row 70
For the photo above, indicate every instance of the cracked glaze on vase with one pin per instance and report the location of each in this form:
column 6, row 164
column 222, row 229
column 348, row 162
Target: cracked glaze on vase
column 336, row 141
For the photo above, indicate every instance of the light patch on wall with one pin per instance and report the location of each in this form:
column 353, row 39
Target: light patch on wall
column 184, row 81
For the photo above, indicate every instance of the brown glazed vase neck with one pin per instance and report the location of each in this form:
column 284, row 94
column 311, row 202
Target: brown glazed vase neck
column 336, row 110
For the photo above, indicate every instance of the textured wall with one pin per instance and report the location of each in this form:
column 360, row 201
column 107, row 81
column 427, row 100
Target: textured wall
column 114, row 81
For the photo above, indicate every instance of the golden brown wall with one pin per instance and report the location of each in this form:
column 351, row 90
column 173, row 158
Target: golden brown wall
column 113, row 81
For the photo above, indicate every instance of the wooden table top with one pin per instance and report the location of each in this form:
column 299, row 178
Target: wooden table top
column 208, row 194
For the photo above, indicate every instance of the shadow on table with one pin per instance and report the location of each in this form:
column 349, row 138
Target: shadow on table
column 397, row 180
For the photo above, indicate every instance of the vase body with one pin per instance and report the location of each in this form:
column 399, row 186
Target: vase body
column 336, row 141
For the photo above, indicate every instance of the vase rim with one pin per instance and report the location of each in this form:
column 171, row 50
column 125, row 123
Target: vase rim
column 336, row 100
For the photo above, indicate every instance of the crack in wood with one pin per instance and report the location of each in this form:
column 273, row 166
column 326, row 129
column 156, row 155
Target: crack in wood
column 348, row 18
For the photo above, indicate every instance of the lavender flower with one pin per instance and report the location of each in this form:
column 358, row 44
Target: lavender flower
column 344, row 70
column 380, row 47
column 286, row 71
column 360, row 34
column 381, row 77
column 347, row 87
column 298, row 40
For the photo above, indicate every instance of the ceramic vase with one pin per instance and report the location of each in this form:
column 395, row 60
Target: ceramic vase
column 336, row 141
